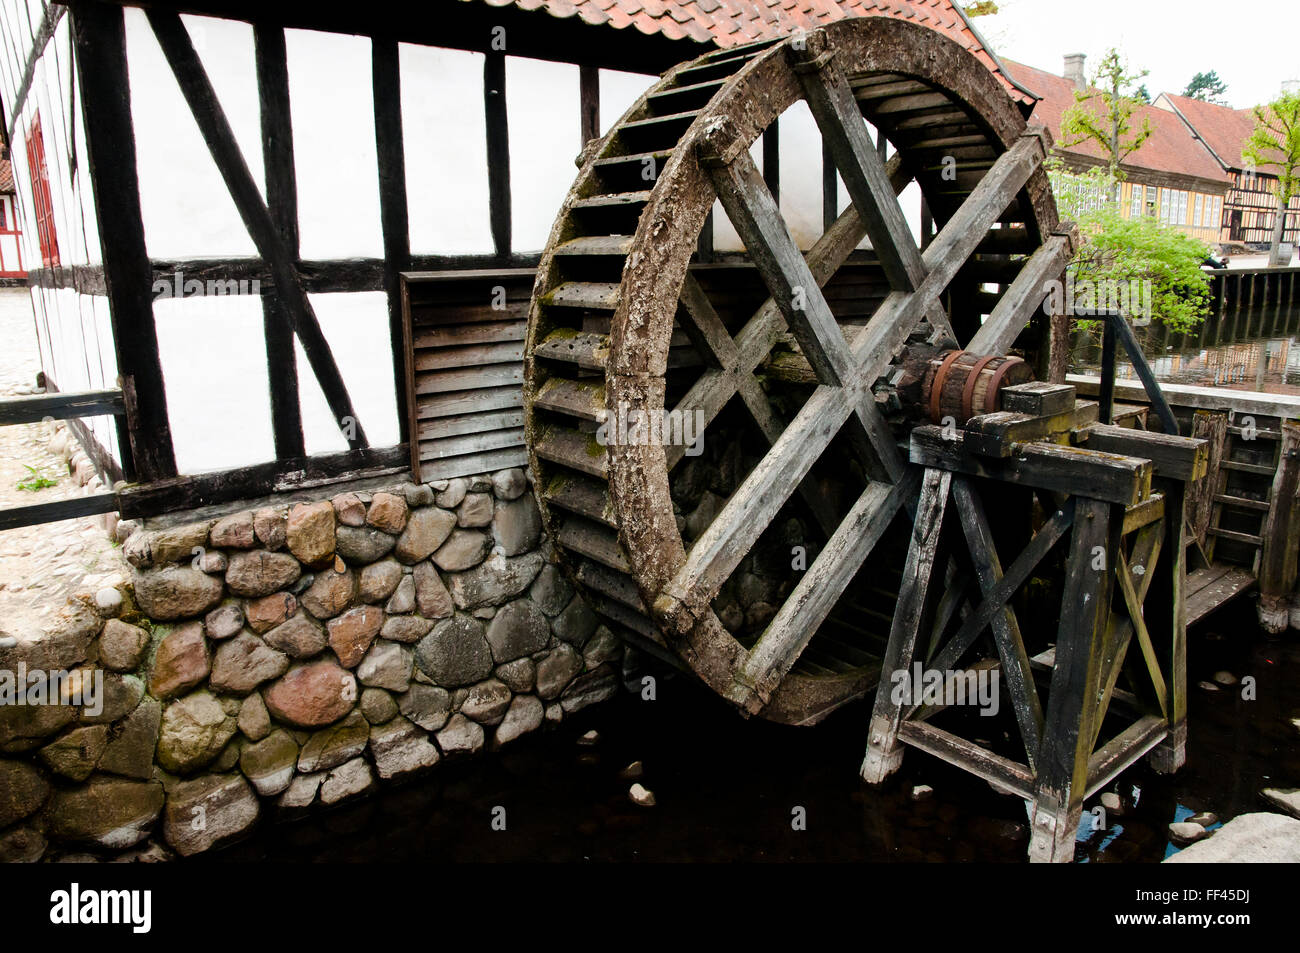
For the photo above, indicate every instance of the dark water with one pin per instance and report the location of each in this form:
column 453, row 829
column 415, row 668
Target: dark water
column 726, row 787
column 1254, row 350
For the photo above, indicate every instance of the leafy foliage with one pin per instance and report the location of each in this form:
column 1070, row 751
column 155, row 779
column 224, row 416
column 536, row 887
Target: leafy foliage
column 1104, row 115
column 1207, row 87
column 1119, row 250
column 980, row 8
column 1275, row 143
column 36, row 481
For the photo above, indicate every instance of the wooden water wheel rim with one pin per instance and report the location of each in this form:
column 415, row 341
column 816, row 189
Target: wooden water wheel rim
column 710, row 160
column 994, row 401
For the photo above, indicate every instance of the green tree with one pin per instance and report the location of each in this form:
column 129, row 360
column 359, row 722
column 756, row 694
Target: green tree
column 1103, row 114
column 1114, row 252
column 1207, row 87
column 1275, row 143
column 1142, row 95
column 980, row 8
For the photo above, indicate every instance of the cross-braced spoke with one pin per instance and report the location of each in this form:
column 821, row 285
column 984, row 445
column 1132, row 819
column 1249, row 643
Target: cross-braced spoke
column 755, row 503
column 859, row 163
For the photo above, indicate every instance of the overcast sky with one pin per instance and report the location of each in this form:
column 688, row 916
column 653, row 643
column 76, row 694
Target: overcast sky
column 1254, row 46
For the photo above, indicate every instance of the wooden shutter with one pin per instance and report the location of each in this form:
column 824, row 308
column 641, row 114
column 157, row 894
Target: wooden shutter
column 42, row 202
column 464, row 370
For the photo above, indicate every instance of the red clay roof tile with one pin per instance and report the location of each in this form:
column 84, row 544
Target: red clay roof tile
column 732, row 22
column 1170, row 147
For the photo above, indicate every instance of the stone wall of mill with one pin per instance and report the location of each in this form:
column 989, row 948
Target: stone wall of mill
column 269, row 661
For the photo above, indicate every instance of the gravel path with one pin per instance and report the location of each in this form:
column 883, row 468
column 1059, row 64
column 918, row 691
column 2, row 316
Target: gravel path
column 39, row 565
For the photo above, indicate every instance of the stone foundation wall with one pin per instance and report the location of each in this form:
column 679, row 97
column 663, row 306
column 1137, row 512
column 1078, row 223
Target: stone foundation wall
column 281, row 658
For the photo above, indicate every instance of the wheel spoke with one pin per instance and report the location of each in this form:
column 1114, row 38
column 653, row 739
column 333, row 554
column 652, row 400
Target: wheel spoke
column 773, row 250
column 836, row 111
column 815, row 596
column 1022, row 298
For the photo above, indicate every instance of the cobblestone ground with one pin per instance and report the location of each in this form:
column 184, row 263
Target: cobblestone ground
column 39, row 565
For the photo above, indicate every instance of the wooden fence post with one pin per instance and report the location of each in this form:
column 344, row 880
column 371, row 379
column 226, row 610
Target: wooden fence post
column 1281, row 532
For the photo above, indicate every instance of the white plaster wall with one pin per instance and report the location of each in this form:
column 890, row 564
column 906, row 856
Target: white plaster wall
column 543, row 106
column 618, row 91
column 356, row 327
column 187, row 210
column 213, row 354
column 333, row 115
column 445, row 151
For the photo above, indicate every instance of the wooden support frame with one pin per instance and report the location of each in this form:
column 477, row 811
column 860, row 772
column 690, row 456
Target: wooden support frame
column 282, row 201
column 1124, row 583
column 100, row 38
column 498, row 149
column 197, row 89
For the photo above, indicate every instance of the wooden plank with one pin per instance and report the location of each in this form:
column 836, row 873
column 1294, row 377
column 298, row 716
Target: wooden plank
column 213, row 125
column 1038, row 398
column 1134, row 606
column 498, row 149
column 865, row 177
column 1124, row 749
column 1207, row 598
column 815, row 595
column 1182, row 458
column 442, row 382
column 998, row 433
column 100, row 39
column 470, row 443
column 460, row 335
column 1001, row 772
column 66, row 405
column 1213, row 429
column 583, row 496
column 1006, row 629
column 1073, row 470
column 1024, row 296
column 584, row 399
column 473, row 355
column 1281, row 526
column 577, row 451
column 264, row 479
column 1071, row 702
column 386, row 88
column 271, row 59
column 1124, row 332
column 470, row 423
column 794, row 288
column 469, row 401
column 593, row 541
column 883, row 755
column 472, row 464
column 588, row 104
column 37, row 514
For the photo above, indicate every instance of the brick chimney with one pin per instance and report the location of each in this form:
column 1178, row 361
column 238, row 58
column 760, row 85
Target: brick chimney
column 1074, row 70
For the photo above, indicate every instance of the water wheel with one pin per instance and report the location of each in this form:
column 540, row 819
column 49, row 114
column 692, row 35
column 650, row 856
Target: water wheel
column 767, row 556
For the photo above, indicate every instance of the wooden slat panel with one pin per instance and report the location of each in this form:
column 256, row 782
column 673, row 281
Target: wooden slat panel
column 470, row 443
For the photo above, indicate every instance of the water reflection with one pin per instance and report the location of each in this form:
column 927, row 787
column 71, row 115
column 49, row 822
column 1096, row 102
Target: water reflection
column 1255, row 350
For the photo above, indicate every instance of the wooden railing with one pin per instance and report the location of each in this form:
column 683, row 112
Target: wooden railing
column 65, row 406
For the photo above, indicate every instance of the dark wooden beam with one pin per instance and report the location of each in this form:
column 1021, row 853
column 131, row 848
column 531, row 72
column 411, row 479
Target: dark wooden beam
column 84, row 279
column 38, row 514
column 321, row 277
column 589, row 95
column 772, row 160
column 537, row 34
column 282, row 202
column 498, row 148
column 100, row 38
column 28, row 410
column 830, row 188
column 387, row 86
column 215, row 128
column 248, row 483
